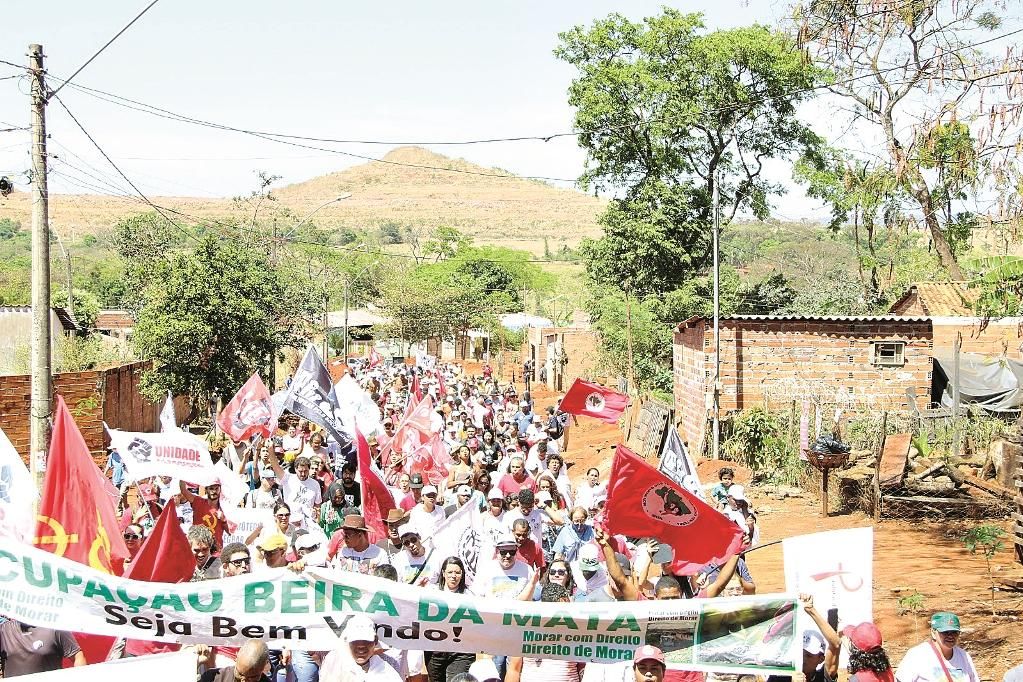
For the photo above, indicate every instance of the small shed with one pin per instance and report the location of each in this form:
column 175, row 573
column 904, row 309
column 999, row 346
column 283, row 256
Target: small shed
column 868, row 362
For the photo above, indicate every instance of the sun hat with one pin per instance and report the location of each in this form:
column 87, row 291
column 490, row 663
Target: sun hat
column 945, row 621
column 506, row 541
column 864, row 636
column 648, row 653
column 588, row 560
column 396, row 515
column 737, row 492
column 355, row 522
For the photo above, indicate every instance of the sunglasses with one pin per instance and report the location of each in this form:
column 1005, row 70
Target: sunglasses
column 408, row 542
column 132, row 536
column 239, row 563
column 507, row 552
column 557, row 571
column 282, row 516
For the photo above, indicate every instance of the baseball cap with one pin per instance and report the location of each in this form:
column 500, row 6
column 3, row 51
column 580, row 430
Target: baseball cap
column 463, row 490
column 737, row 492
column 416, row 480
column 307, row 541
column 523, row 404
column 588, row 560
column 813, row 642
column 267, row 473
column 864, row 636
column 484, row 670
column 624, row 563
column 272, row 542
column 360, row 629
column 429, row 490
column 648, row 653
column 945, row 621
column 543, row 496
column 495, row 494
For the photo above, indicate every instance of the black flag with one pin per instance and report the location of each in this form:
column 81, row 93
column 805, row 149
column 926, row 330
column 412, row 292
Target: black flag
column 676, row 463
column 311, row 396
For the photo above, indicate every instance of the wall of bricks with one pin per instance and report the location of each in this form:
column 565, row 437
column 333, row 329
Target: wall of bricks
column 580, row 346
column 993, row 338
column 769, row 363
column 93, row 397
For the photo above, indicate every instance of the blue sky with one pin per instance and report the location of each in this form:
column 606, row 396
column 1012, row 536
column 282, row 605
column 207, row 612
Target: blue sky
column 401, row 71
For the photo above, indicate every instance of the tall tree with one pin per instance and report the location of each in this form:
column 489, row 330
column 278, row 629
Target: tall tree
column 927, row 93
column 663, row 108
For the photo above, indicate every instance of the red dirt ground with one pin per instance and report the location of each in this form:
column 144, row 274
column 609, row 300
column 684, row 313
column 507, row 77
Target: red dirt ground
column 920, row 556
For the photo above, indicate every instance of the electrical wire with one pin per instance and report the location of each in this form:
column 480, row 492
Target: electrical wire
column 100, row 50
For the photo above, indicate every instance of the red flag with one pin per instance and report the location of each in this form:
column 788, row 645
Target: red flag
column 442, row 389
column 377, row 500
column 76, row 519
column 697, row 532
column 250, row 411
column 431, row 459
column 593, row 400
column 415, row 390
column 165, row 557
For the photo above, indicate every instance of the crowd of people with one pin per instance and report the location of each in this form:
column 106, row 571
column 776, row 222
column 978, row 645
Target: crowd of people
column 509, row 460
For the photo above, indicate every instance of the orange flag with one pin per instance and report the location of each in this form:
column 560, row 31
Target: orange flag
column 76, row 515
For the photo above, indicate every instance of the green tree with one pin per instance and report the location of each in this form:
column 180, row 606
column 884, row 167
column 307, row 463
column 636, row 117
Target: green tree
column 212, row 316
column 987, row 540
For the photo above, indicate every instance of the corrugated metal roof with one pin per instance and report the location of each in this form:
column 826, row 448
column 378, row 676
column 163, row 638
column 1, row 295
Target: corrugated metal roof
column 66, row 318
column 899, row 319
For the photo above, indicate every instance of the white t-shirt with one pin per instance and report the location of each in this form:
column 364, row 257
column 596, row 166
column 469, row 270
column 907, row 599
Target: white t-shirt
column 360, row 562
column 585, row 494
column 493, row 581
column 494, row 526
column 426, row 522
column 921, row 664
column 337, row 666
column 535, row 520
column 291, row 443
column 300, row 494
column 408, row 566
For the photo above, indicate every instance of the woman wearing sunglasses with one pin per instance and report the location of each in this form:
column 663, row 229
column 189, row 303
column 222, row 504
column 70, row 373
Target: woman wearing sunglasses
column 443, row 665
column 133, row 536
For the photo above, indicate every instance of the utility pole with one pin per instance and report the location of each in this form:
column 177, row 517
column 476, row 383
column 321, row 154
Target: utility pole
column 41, row 343
column 345, row 344
column 717, row 323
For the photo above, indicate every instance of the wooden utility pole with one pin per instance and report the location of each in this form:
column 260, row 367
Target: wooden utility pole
column 41, row 342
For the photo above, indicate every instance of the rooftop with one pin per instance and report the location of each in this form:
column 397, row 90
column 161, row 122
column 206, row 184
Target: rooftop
column 940, row 299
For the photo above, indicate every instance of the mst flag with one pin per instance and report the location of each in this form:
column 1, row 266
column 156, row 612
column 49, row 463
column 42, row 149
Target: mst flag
column 593, row 400
column 377, row 500
column 250, row 411
column 312, row 396
column 643, row 502
column 17, row 494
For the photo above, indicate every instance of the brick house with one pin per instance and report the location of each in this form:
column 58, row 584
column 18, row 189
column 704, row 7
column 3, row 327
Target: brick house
column 950, row 305
column 567, row 353
column 864, row 363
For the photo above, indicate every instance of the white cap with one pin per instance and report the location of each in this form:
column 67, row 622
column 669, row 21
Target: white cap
column 463, row 490
column 737, row 492
column 813, row 642
column 429, row 489
column 543, row 496
column 484, row 670
column 495, row 494
column 523, row 404
column 360, row 629
column 307, row 541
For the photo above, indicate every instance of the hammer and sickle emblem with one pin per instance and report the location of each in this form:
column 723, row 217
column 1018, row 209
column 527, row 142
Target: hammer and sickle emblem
column 99, row 552
column 59, row 537
column 854, row 584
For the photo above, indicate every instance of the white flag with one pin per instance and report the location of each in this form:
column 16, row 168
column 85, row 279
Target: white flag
column 177, row 454
column 168, row 420
column 17, row 494
column 232, row 487
column 836, row 567
column 357, row 404
column 461, row 535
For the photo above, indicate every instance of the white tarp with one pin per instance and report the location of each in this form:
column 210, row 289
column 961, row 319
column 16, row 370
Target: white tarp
column 992, row 383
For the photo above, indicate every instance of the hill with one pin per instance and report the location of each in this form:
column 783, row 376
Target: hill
column 405, row 188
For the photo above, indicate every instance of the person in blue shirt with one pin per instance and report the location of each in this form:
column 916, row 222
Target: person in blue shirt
column 573, row 536
column 523, row 418
column 719, row 493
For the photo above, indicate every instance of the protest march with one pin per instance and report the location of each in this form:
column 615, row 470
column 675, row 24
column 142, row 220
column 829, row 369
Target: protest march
column 419, row 523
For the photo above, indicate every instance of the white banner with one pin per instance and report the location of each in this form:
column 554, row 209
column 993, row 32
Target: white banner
column 180, row 665
column 309, row 611
column 17, row 494
column 246, row 520
column 836, row 567
column 168, row 420
column 177, row 454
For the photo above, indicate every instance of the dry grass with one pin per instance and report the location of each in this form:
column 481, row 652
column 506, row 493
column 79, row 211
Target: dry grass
column 494, row 210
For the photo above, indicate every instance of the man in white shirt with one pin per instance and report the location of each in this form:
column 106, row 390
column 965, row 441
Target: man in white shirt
column 528, row 511
column 426, row 515
column 413, row 563
column 494, row 525
column 505, row 577
column 301, row 492
column 358, row 555
column 939, row 659
column 358, row 660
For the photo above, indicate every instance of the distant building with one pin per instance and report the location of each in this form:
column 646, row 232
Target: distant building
column 117, row 324
column 950, row 305
column 864, row 363
column 563, row 353
column 16, row 336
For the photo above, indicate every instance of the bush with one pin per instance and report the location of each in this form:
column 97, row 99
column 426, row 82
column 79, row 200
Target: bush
column 757, row 440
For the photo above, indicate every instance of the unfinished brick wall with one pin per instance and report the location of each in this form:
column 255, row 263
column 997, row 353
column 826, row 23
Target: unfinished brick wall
column 93, row 397
column 771, row 362
column 992, row 338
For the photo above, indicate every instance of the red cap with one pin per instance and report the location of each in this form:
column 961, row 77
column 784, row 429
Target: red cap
column 864, row 636
column 648, row 653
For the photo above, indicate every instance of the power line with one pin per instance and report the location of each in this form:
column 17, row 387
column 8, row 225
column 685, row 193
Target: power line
column 100, row 50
